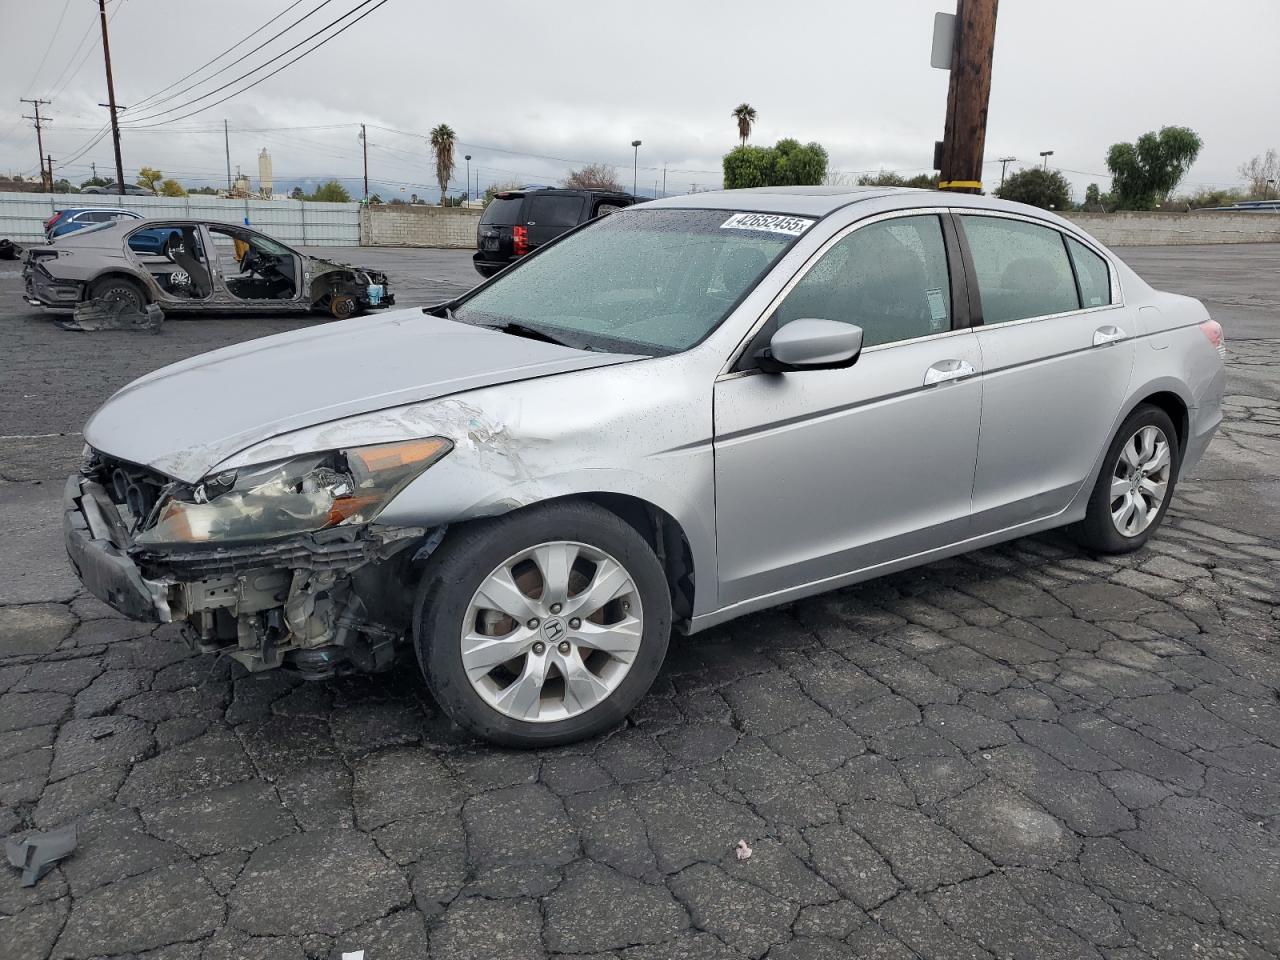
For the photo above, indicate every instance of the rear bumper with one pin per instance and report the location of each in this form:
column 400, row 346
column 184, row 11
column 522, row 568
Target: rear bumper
column 93, row 531
column 487, row 263
column 48, row 291
column 1203, row 429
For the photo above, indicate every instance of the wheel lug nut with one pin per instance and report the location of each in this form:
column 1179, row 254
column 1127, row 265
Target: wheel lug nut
column 563, row 647
column 555, row 608
column 539, row 648
column 575, row 623
column 533, row 623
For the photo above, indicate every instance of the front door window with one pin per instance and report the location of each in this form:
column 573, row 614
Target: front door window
column 254, row 267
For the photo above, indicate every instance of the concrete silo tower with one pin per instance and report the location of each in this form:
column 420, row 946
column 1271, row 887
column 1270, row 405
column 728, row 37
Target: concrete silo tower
column 264, row 174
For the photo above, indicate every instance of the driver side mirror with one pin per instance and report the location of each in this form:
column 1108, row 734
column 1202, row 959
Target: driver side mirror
column 811, row 344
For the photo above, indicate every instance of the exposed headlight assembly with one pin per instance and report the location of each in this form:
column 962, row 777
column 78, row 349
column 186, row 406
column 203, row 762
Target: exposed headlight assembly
column 298, row 495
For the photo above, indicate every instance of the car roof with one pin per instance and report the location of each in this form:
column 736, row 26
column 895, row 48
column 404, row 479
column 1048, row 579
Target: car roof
column 819, row 201
column 132, row 213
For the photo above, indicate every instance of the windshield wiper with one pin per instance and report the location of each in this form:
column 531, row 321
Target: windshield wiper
column 532, row 333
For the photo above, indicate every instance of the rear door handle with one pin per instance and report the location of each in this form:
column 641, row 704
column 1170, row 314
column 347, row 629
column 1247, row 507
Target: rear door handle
column 1107, row 335
column 945, row 370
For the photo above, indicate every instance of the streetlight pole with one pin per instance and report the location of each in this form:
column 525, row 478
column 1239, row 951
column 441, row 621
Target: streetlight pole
column 635, row 166
column 1046, row 154
column 469, row 196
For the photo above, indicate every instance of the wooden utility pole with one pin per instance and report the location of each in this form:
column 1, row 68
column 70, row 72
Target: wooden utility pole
column 967, row 96
column 111, row 97
column 46, row 177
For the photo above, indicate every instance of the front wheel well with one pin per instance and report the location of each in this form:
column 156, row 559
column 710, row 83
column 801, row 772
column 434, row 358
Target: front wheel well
column 1173, row 405
column 667, row 538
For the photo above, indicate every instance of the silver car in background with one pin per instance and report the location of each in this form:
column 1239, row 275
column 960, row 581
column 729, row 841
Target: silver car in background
column 691, row 410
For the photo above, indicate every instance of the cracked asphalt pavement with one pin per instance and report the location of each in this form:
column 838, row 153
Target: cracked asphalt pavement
column 1025, row 752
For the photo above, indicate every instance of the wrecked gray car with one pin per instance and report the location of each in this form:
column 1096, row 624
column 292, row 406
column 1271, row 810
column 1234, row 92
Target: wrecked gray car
column 684, row 412
column 195, row 266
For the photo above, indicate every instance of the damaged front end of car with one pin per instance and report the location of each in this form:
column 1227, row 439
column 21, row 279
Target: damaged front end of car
column 280, row 564
column 343, row 291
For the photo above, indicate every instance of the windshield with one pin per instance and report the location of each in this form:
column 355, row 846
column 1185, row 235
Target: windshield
column 641, row 281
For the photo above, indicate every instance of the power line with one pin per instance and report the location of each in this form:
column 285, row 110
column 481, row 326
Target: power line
column 54, row 36
column 61, row 84
column 363, row 3
column 233, row 62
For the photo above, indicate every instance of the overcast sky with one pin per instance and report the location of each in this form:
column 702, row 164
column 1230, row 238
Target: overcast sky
column 532, row 89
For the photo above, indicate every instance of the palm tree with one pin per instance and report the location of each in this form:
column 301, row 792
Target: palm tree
column 745, row 114
column 442, row 141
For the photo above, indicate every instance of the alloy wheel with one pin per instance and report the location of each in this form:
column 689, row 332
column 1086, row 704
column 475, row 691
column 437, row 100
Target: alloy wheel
column 1140, row 480
column 552, row 631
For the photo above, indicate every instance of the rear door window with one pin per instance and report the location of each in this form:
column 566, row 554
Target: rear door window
column 555, row 211
column 1092, row 275
column 503, row 211
column 1022, row 269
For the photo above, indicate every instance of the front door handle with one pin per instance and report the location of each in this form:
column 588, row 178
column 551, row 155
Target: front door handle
column 1107, row 335
column 945, row 370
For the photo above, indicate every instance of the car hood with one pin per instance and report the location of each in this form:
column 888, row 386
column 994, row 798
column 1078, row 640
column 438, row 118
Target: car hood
column 186, row 418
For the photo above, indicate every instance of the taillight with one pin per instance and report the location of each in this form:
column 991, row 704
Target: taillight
column 1212, row 330
column 52, row 220
column 520, row 237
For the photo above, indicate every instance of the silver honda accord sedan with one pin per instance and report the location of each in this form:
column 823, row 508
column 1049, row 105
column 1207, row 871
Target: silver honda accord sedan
column 687, row 411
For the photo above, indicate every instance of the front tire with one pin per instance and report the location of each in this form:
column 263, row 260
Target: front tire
column 1135, row 485
column 544, row 626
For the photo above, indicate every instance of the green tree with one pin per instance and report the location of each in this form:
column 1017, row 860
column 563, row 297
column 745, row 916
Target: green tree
column 788, row 163
column 331, row 192
column 64, row 186
column 172, row 188
column 95, row 182
column 749, row 167
column 799, row 165
column 1047, row 189
column 889, row 178
column 442, row 142
column 297, row 193
column 375, row 199
column 150, row 178
column 1092, row 197
column 205, row 191
column 1144, row 173
column 745, row 114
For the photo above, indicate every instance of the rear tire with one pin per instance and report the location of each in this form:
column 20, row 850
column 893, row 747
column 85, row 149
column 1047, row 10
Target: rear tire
column 575, row 669
column 119, row 289
column 1134, row 486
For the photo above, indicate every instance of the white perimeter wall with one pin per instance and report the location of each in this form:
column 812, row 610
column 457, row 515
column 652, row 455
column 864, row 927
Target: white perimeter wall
column 22, row 215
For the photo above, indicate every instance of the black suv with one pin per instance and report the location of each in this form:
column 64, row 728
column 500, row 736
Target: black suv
column 517, row 222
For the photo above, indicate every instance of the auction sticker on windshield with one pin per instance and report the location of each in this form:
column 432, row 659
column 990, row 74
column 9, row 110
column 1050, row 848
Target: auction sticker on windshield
column 769, row 222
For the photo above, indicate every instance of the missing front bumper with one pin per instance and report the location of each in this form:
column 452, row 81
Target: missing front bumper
column 93, row 531
column 309, row 601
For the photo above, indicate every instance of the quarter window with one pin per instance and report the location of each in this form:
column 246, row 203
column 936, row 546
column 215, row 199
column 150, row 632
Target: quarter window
column 889, row 278
column 1022, row 269
column 555, row 211
column 1091, row 274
